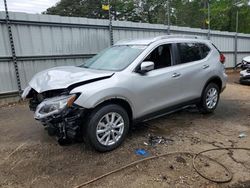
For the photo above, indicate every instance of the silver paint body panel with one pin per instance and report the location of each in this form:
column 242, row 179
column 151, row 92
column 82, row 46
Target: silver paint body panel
column 156, row 90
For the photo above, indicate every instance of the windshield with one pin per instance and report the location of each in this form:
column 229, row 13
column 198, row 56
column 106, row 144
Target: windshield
column 115, row 58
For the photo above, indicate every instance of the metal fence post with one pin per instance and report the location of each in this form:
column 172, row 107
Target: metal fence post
column 168, row 13
column 13, row 52
column 208, row 15
column 110, row 26
column 236, row 39
column 235, row 49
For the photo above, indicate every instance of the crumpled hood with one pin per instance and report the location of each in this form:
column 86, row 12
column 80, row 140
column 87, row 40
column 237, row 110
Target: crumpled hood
column 65, row 76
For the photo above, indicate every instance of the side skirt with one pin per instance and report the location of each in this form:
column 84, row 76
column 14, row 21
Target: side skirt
column 166, row 111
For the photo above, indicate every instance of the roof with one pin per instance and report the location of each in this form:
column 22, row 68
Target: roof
column 148, row 41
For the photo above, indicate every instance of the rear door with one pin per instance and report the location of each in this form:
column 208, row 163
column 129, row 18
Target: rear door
column 193, row 67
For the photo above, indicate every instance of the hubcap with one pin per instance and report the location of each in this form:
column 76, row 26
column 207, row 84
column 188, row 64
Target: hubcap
column 110, row 128
column 212, row 98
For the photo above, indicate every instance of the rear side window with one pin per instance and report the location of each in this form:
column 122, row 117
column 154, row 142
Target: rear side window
column 189, row 52
column 204, row 50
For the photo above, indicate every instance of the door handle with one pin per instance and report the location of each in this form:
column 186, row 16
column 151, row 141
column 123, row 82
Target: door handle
column 205, row 66
column 176, row 75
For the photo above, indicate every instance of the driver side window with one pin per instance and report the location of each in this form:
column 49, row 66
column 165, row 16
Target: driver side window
column 161, row 56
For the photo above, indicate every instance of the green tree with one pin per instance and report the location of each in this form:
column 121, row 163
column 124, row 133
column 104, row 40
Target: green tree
column 189, row 13
column 122, row 10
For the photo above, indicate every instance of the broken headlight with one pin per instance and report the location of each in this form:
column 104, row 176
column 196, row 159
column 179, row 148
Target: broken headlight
column 53, row 106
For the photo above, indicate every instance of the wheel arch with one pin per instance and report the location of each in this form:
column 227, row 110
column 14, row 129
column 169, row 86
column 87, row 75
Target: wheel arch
column 119, row 101
column 215, row 79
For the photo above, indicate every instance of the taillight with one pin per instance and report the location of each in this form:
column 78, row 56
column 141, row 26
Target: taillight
column 222, row 58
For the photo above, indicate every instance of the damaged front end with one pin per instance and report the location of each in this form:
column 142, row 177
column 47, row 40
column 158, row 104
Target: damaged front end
column 56, row 110
column 50, row 97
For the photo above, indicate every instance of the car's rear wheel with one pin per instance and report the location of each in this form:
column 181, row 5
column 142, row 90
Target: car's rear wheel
column 209, row 99
column 107, row 127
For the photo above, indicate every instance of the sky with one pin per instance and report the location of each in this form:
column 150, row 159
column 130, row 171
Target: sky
column 28, row 6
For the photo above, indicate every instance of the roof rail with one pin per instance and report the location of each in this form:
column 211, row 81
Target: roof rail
column 176, row 36
column 148, row 41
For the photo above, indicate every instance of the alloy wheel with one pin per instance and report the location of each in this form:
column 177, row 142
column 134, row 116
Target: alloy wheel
column 110, row 128
column 211, row 98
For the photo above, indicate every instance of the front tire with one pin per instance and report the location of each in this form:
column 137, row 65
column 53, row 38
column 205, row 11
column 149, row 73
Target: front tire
column 209, row 99
column 107, row 127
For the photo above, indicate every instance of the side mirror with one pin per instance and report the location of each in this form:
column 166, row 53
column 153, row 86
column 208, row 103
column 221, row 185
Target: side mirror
column 146, row 66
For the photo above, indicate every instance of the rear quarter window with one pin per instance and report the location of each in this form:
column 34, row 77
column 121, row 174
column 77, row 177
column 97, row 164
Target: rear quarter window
column 189, row 52
column 204, row 50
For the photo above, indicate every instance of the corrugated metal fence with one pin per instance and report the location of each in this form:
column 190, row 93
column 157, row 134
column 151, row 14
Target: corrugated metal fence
column 44, row 41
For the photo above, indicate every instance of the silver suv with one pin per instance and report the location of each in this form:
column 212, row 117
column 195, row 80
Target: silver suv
column 130, row 82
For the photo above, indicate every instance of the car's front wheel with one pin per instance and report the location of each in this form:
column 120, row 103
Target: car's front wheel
column 107, row 127
column 209, row 99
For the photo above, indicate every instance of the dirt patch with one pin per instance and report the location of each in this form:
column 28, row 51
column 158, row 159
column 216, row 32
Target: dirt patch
column 30, row 158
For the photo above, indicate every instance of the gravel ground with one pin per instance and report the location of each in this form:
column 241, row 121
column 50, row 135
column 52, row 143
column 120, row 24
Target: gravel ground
column 30, row 158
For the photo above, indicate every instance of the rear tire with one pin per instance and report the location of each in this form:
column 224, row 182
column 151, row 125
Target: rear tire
column 209, row 99
column 106, row 128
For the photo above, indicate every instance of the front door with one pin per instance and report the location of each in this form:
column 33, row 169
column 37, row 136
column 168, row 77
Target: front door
column 158, row 88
